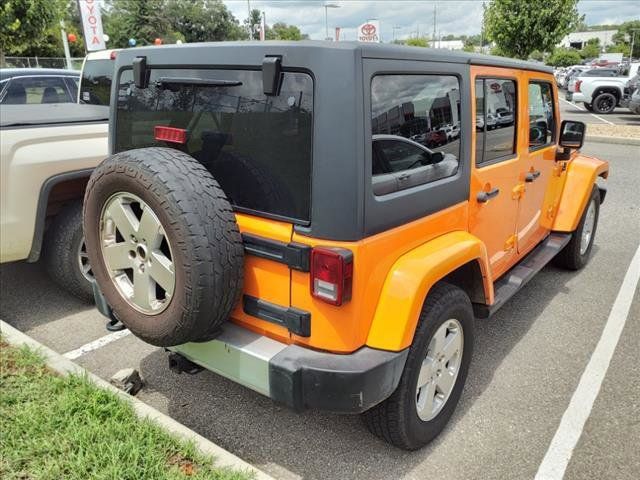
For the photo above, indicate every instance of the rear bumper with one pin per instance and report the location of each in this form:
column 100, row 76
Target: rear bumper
column 298, row 377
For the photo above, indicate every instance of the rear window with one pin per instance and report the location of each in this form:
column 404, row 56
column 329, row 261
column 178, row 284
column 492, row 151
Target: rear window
column 95, row 85
column 257, row 147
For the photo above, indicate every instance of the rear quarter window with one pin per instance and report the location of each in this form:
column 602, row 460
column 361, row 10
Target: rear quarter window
column 95, row 84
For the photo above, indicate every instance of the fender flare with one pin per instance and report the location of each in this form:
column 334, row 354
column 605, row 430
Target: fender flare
column 582, row 174
column 410, row 279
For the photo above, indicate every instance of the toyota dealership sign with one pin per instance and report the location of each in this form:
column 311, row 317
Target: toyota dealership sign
column 369, row 31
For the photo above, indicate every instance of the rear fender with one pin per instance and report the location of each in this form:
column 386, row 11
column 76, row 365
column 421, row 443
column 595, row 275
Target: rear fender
column 410, row 279
column 582, row 174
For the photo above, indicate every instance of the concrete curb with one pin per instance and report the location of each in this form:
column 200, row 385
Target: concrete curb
column 62, row 365
column 617, row 140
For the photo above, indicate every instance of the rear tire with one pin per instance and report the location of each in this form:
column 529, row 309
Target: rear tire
column 588, row 106
column 576, row 253
column 399, row 420
column 605, row 103
column 63, row 260
column 155, row 218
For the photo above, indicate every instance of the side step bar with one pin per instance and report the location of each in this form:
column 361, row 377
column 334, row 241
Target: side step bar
column 519, row 275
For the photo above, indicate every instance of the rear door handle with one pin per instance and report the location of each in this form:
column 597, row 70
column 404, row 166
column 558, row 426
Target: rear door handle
column 531, row 176
column 403, row 176
column 484, row 197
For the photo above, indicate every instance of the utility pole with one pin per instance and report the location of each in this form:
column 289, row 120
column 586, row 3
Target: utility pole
column 65, row 43
column 249, row 25
column 633, row 39
column 435, row 8
column 394, row 28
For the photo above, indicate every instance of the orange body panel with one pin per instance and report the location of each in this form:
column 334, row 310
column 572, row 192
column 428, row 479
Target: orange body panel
column 581, row 175
column 394, row 270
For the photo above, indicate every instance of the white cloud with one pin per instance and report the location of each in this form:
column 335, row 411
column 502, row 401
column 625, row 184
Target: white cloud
column 410, row 16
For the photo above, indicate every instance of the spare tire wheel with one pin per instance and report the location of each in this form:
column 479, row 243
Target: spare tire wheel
column 164, row 245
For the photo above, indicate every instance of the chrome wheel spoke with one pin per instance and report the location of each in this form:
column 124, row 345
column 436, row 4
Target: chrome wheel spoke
column 161, row 271
column 141, row 288
column 445, row 381
column 123, row 218
column 451, row 345
column 150, row 230
column 426, row 397
column 426, row 372
column 117, row 257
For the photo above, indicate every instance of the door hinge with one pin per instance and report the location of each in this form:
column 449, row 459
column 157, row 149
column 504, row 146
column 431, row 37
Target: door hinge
column 518, row 191
column 510, row 244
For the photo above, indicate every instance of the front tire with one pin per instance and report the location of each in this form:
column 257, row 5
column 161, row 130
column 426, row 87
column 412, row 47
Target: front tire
column 434, row 374
column 588, row 106
column 65, row 255
column 576, row 253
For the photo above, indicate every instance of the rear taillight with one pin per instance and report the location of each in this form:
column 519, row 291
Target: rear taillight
column 170, row 134
column 112, row 56
column 331, row 274
column 578, row 83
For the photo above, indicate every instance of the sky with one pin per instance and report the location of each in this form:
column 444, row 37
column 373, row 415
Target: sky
column 459, row 17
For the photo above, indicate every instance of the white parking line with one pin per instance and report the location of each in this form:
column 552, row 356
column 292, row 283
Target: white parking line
column 566, row 438
column 96, row 344
column 583, row 109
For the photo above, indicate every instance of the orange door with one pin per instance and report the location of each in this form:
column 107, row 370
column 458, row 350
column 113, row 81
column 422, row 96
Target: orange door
column 493, row 204
column 538, row 161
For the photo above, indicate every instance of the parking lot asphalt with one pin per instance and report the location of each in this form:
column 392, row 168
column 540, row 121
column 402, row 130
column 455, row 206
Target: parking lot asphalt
column 528, row 360
column 576, row 111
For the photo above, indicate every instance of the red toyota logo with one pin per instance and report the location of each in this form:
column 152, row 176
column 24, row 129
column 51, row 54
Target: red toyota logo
column 368, row 29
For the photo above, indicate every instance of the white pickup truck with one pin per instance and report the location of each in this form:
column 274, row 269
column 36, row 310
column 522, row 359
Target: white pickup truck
column 602, row 94
column 46, row 156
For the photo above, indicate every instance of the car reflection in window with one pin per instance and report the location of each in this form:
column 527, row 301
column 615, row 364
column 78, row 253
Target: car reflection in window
column 400, row 163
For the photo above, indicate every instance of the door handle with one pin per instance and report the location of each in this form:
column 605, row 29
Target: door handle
column 484, row 197
column 531, row 176
column 403, row 176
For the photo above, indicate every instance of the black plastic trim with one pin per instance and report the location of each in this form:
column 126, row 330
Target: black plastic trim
column 353, row 383
column 295, row 320
column 41, row 209
column 295, row 255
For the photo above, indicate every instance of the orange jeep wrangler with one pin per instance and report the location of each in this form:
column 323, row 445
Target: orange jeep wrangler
column 277, row 213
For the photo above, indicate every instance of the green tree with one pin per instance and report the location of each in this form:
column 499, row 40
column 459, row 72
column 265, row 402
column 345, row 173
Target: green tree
column 418, row 42
column 203, row 21
column 623, row 37
column 282, row 31
column 253, row 23
column 537, row 55
column 563, row 57
column 22, row 23
column 519, row 28
column 591, row 49
column 142, row 20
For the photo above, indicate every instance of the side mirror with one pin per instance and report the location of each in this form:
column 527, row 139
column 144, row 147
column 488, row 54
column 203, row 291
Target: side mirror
column 572, row 134
column 436, row 157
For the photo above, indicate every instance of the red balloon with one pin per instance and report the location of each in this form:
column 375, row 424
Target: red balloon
column 72, row 37
column 158, row 41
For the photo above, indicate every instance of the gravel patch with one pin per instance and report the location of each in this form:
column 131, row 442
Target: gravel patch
column 624, row 131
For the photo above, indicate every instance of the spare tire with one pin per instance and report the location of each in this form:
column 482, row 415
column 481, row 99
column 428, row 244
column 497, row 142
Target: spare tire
column 164, row 245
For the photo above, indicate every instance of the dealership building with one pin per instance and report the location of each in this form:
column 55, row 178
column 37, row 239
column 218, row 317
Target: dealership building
column 577, row 40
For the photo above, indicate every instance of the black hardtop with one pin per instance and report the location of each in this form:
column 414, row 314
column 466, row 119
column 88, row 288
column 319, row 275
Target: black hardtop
column 51, row 114
column 251, row 53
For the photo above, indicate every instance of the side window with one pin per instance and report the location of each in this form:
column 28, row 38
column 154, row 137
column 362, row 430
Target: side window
column 481, row 124
column 415, row 126
column 40, row 90
column 541, row 115
column 500, row 118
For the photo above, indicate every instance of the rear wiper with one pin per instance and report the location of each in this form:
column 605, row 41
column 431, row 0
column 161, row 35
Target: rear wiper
column 162, row 82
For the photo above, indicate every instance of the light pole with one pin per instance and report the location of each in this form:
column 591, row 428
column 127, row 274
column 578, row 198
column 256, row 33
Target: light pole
column 395, row 27
column 633, row 38
column 327, row 6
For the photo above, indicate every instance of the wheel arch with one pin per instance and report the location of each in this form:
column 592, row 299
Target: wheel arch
column 55, row 192
column 456, row 257
column 582, row 174
column 613, row 90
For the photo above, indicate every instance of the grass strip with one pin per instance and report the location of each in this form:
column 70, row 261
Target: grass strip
column 54, row 427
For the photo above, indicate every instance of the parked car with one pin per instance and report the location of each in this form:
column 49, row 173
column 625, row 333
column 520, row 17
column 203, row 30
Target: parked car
column 46, row 156
column 435, row 138
column 603, row 94
column 634, row 102
column 571, row 72
column 211, row 231
column 504, row 118
column 96, row 77
column 452, row 132
column 20, row 86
